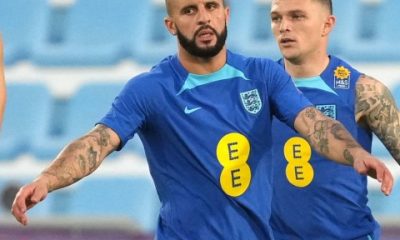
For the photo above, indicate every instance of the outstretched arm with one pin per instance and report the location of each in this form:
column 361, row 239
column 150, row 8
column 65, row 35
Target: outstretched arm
column 329, row 138
column 79, row 159
column 377, row 110
column 3, row 91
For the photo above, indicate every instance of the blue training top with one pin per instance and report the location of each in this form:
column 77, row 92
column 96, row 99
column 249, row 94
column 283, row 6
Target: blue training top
column 315, row 198
column 207, row 140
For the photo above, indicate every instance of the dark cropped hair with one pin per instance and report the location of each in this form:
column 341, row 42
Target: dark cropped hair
column 224, row 2
column 328, row 4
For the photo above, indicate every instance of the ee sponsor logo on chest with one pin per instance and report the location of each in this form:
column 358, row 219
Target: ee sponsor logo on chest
column 299, row 171
column 233, row 151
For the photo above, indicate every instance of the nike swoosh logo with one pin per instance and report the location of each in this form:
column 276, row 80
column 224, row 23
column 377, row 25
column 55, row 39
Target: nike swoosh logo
column 192, row 110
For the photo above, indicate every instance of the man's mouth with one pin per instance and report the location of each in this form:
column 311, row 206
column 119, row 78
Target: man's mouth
column 286, row 40
column 205, row 34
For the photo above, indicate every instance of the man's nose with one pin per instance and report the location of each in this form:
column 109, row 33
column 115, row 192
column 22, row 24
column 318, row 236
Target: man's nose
column 204, row 16
column 285, row 26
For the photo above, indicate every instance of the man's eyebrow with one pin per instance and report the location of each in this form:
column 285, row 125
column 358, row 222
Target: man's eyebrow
column 288, row 12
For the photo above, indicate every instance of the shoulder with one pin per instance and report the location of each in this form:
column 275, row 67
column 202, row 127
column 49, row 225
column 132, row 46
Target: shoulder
column 241, row 60
column 342, row 68
column 254, row 65
column 367, row 85
column 152, row 78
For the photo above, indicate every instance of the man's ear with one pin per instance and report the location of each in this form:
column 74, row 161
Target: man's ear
column 170, row 25
column 329, row 24
column 227, row 14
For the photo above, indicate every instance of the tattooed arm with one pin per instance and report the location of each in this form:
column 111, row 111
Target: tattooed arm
column 329, row 137
column 377, row 110
column 79, row 159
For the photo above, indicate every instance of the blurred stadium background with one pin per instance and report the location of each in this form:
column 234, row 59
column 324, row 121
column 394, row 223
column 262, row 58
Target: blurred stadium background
column 67, row 59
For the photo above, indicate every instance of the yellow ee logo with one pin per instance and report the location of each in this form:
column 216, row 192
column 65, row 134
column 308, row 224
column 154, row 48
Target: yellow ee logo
column 233, row 151
column 299, row 171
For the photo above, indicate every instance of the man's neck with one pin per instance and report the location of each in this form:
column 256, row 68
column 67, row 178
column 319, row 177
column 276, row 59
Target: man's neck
column 307, row 67
column 201, row 66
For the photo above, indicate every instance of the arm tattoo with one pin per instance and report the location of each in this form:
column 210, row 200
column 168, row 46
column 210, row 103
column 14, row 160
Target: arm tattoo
column 347, row 155
column 378, row 108
column 82, row 162
column 324, row 129
column 340, row 133
column 311, row 113
column 317, row 130
column 320, row 135
column 79, row 159
column 104, row 139
column 92, row 159
column 64, row 177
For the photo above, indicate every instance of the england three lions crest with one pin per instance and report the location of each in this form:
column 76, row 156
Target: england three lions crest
column 328, row 110
column 251, row 101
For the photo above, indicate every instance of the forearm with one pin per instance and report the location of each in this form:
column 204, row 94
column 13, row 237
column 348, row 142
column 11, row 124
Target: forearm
column 327, row 136
column 390, row 137
column 79, row 159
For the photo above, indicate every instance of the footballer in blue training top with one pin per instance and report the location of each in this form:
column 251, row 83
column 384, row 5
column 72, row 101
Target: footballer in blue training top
column 325, row 198
column 313, row 197
column 207, row 140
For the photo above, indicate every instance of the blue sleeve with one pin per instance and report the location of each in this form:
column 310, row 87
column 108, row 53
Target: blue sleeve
column 286, row 99
column 128, row 111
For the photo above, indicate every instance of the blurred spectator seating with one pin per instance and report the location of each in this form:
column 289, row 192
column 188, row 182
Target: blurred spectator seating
column 19, row 26
column 367, row 30
column 103, row 32
column 249, row 29
column 28, row 111
column 152, row 41
column 86, row 107
column 89, row 32
column 132, row 197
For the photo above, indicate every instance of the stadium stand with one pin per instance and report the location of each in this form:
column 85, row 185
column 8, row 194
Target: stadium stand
column 122, row 202
column 151, row 41
column 27, row 114
column 19, row 26
column 90, row 32
column 132, row 197
column 250, row 34
column 366, row 30
column 87, row 106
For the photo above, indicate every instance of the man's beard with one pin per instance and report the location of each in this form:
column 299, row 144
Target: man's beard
column 191, row 47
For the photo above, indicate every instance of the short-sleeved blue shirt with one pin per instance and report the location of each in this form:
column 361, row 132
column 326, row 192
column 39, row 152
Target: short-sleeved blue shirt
column 207, row 140
column 314, row 197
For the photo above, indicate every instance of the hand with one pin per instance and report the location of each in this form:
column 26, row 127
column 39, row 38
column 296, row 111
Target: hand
column 368, row 165
column 27, row 197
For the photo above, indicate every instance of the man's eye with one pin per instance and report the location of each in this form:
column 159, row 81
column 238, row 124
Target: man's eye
column 211, row 6
column 298, row 16
column 275, row 19
column 188, row 11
